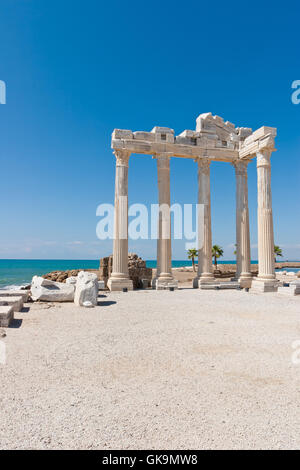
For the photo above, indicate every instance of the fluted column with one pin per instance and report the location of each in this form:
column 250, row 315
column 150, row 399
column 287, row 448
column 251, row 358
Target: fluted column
column 205, row 269
column 243, row 271
column 266, row 280
column 119, row 277
column 164, row 257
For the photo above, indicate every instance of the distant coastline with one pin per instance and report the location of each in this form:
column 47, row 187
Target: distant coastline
column 16, row 272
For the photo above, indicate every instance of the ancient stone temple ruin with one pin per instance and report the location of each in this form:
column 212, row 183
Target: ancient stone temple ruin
column 213, row 140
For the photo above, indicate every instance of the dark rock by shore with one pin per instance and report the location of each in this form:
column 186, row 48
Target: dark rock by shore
column 62, row 276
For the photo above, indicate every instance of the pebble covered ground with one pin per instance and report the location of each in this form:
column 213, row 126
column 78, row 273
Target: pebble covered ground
column 188, row 369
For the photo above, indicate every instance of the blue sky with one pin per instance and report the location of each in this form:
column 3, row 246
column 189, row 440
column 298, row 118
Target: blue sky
column 75, row 70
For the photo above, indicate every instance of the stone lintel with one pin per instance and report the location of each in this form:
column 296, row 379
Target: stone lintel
column 176, row 150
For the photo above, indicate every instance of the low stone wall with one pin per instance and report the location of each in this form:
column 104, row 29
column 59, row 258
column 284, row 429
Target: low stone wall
column 229, row 270
column 137, row 270
column 287, row 264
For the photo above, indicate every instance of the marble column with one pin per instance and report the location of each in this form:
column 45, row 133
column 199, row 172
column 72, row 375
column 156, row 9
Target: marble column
column 119, row 278
column 205, row 269
column 164, row 278
column 243, row 263
column 266, row 280
column 158, row 247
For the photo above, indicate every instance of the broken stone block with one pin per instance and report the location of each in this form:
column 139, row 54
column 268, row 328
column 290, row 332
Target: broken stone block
column 6, row 316
column 15, row 293
column 86, row 288
column 50, row 291
column 149, row 136
column 15, row 302
column 163, row 134
column 292, row 289
column 122, row 134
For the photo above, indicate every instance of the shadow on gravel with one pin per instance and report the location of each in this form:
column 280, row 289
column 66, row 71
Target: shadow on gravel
column 16, row 323
column 25, row 309
column 106, row 303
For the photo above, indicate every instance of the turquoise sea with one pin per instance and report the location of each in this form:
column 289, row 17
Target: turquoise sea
column 19, row 272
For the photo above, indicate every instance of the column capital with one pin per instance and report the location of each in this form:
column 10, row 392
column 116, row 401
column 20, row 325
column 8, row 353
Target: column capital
column 263, row 158
column 203, row 163
column 240, row 166
column 163, row 160
column 122, row 157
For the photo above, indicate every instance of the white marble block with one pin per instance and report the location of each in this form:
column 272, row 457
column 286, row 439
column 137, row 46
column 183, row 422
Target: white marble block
column 6, row 315
column 15, row 293
column 50, row 291
column 86, row 288
column 15, row 302
column 291, row 290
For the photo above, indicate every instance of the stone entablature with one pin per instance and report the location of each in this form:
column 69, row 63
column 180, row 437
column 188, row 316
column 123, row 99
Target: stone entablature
column 213, row 138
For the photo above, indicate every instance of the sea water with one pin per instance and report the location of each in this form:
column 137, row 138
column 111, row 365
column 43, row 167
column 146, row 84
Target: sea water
column 19, row 272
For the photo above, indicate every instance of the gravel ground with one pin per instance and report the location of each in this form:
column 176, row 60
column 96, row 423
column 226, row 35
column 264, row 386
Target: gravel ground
column 189, row 369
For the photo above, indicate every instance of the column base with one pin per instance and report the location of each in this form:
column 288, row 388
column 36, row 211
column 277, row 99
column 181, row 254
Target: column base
column 264, row 285
column 118, row 284
column 245, row 280
column 203, row 280
column 165, row 283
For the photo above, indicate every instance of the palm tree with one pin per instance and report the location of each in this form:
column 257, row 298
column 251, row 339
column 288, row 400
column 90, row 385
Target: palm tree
column 235, row 250
column 277, row 251
column 217, row 252
column 192, row 254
